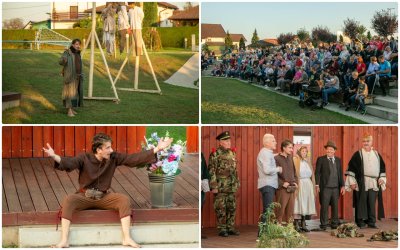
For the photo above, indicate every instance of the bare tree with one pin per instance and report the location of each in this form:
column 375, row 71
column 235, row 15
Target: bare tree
column 13, row 24
column 384, row 23
column 188, row 5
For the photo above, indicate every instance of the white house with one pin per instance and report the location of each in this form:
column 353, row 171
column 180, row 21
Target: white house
column 65, row 14
column 212, row 34
column 165, row 10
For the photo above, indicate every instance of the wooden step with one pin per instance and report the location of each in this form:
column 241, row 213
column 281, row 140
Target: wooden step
column 11, row 99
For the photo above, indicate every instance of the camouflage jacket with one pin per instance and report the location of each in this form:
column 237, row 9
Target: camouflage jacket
column 223, row 172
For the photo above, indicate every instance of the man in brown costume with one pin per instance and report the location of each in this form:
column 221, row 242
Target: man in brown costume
column 96, row 170
column 72, row 93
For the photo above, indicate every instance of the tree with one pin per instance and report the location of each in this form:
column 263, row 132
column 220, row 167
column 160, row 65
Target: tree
column 150, row 14
column 341, row 38
column 188, row 5
column 285, row 38
column 351, row 28
column 369, row 36
column 384, row 23
column 242, row 45
column 322, row 34
column 255, row 38
column 303, row 35
column 13, row 24
column 228, row 41
column 205, row 48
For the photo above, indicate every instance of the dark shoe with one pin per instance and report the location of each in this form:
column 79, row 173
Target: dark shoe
column 234, row 232
column 372, row 226
column 347, row 108
column 291, row 94
column 323, row 228
column 362, row 225
column 334, row 227
column 223, row 234
column 342, row 105
column 384, row 94
column 303, row 225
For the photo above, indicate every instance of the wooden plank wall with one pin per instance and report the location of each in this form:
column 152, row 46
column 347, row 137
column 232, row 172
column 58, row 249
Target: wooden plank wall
column 28, row 141
column 192, row 137
column 248, row 141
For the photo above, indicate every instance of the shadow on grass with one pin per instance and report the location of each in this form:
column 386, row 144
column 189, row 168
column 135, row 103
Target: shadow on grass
column 230, row 101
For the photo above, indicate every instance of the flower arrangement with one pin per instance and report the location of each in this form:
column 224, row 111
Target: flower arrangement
column 167, row 159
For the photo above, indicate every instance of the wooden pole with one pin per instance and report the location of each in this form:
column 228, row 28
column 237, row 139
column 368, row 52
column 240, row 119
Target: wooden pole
column 86, row 44
column 108, row 69
column 93, row 32
column 127, row 43
column 151, row 66
column 136, row 82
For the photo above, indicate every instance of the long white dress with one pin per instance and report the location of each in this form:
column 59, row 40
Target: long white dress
column 305, row 200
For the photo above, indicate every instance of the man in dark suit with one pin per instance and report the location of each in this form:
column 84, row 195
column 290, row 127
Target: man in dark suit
column 329, row 182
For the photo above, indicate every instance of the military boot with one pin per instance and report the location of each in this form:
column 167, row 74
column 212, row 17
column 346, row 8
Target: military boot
column 234, row 232
column 223, row 234
column 296, row 224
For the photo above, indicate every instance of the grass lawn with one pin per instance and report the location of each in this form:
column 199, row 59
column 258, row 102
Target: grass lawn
column 176, row 132
column 229, row 101
column 36, row 74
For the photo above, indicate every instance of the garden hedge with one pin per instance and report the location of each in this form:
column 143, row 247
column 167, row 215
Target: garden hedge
column 170, row 36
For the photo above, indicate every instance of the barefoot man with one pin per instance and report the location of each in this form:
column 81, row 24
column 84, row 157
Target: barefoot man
column 96, row 170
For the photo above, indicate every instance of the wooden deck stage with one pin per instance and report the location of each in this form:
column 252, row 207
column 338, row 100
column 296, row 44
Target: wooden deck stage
column 248, row 236
column 33, row 191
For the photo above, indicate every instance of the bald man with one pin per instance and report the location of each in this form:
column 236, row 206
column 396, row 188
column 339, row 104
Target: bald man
column 267, row 173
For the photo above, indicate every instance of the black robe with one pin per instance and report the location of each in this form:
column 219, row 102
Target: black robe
column 356, row 169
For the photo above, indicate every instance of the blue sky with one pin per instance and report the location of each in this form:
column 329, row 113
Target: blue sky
column 271, row 19
column 36, row 11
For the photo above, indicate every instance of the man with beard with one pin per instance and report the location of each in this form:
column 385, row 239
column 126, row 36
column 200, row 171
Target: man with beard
column 366, row 177
column 96, row 170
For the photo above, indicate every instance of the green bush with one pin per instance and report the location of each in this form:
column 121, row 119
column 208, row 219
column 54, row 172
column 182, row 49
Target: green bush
column 274, row 235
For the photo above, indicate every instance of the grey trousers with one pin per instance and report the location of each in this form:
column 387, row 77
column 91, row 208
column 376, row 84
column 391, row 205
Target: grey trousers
column 329, row 196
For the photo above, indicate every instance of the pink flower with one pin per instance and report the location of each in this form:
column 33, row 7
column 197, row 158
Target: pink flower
column 171, row 158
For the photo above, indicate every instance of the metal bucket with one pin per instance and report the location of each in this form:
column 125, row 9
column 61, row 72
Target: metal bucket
column 161, row 190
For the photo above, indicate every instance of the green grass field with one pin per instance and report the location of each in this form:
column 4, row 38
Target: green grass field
column 176, row 132
column 36, row 75
column 229, row 101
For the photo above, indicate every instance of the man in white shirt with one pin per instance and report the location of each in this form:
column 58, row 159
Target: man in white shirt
column 366, row 177
column 136, row 16
column 267, row 173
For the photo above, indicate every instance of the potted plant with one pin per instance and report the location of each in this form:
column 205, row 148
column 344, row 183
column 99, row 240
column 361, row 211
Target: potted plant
column 162, row 173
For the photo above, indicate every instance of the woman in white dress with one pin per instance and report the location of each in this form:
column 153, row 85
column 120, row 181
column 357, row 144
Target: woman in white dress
column 304, row 205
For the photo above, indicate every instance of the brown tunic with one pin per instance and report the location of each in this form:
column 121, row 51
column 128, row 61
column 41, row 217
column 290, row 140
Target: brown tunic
column 98, row 174
column 288, row 170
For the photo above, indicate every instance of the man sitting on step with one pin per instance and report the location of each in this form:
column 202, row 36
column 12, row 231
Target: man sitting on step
column 96, row 170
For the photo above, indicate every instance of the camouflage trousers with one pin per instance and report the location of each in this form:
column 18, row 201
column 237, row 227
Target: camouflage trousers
column 225, row 209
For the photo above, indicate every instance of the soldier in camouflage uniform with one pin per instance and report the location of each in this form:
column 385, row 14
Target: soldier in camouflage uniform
column 224, row 183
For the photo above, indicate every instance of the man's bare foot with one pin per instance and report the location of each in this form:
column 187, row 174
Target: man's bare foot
column 130, row 243
column 61, row 245
column 74, row 112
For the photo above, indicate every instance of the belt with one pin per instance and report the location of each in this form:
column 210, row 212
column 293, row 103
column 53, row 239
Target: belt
column 83, row 190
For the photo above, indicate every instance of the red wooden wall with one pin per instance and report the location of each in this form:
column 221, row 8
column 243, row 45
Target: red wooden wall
column 192, row 138
column 28, row 141
column 248, row 141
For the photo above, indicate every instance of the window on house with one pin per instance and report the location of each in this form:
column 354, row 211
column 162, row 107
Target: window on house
column 73, row 12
